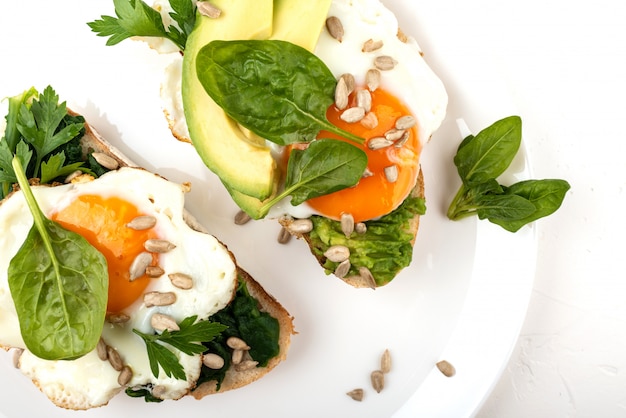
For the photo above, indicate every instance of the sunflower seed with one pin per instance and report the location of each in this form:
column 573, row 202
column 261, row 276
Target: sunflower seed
column 405, row 122
column 72, row 176
column 17, row 354
column 350, row 82
column 162, row 322
column 139, row 265
column 154, row 271
column 209, row 10
column 342, row 269
column 181, row 280
column 356, row 394
column 372, row 79
column 341, row 94
column 159, row 390
column 391, row 173
column 379, row 142
column 384, row 63
column 213, row 361
column 370, row 120
column 101, row 350
column 237, row 344
column 403, row 140
column 394, row 134
column 158, row 245
column 364, row 100
column 337, row 253
column 360, row 228
column 125, row 375
column 242, row 218
column 385, row 362
column 141, row 223
column 367, row 277
column 236, row 357
column 335, row 27
column 283, row 236
column 114, row 358
column 353, row 114
column 105, row 160
column 117, row 318
column 347, row 224
column 246, row 365
column 378, row 380
column 446, row 368
column 300, row 226
column 159, row 298
column 371, row 45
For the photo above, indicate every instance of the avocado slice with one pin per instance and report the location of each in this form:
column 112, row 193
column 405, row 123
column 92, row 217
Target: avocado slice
column 241, row 160
column 242, row 164
column 299, row 22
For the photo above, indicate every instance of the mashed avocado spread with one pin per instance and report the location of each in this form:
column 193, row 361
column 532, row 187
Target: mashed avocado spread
column 385, row 248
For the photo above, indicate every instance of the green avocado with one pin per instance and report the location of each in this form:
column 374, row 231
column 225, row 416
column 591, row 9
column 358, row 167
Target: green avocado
column 242, row 164
column 241, row 160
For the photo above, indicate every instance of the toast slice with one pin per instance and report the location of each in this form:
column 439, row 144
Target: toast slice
column 235, row 376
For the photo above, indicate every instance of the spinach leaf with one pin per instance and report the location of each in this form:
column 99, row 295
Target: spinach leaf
column 325, row 166
column 546, row 195
column 482, row 158
column 278, row 90
column 490, row 152
column 503, row 207
column 243, row 318
column 59, row 284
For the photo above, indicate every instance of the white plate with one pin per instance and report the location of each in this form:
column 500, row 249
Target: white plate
column 463, row 298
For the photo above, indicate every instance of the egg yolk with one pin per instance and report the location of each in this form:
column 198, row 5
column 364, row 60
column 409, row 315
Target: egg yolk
column 102, row 221
column 375, row 195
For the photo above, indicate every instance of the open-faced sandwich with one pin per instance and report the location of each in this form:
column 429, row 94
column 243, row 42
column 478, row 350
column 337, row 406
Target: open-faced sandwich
column 313, row 113
column 107, row 284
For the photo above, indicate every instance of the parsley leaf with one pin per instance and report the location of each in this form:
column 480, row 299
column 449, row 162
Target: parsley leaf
column 136, row 18
column 38, row 125
column 188, row 339
column 55, row 167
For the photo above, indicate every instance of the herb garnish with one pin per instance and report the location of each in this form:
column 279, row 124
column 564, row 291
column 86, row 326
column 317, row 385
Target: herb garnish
column 278, row 90
column 480, row 160
column 188, row 339
column 325, row 166
column 39, row 123
column 59, row 284
column 136, row 18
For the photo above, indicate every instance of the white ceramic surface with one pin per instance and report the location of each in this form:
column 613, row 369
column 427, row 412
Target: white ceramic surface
column 460, row 299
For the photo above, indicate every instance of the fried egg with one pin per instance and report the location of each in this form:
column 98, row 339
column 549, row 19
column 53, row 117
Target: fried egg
column 406, row 86
column 101, row 210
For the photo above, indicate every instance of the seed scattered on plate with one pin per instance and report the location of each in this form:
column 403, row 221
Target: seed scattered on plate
column 356, row 394
column 446, row 368
column 378, row 380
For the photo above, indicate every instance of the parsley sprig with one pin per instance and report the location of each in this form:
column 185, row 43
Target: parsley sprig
column 136, row 18
column 38, row 124
column 188, row 339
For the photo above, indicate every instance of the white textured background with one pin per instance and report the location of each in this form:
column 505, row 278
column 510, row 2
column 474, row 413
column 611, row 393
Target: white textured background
column 565, row 63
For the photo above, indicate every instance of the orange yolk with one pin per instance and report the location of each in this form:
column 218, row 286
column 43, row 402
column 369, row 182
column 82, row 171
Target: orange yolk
column 375, row 195
column 102, row 221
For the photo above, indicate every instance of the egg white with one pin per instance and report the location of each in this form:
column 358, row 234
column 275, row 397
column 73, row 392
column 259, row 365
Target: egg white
column 89, row 381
